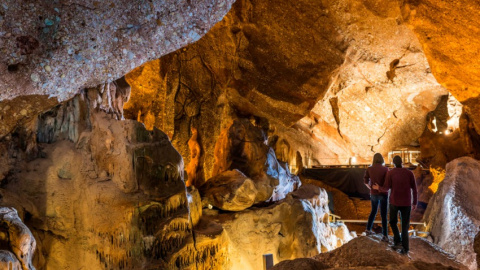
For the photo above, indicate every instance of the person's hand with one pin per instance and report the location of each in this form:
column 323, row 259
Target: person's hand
column 414, row 207
column 376, row 186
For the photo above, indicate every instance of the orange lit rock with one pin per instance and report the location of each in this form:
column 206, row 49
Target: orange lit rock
column 195, row 151
column 446, row 30
column 294, row 227
column 364, row 71
column 108, row 189
column 452, row 216
column 438, row 176
column 242, row 146
column 230, row 190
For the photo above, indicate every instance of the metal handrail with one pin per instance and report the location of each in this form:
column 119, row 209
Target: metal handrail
column 376, row 221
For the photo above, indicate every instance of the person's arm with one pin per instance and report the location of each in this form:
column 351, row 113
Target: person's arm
column 386, row 186
column 413, row 185
column 366, row 179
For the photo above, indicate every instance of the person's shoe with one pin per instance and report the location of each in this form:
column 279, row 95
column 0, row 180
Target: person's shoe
column 367, row 233
column 403, row 252
column 397, row 246
column 385, row 239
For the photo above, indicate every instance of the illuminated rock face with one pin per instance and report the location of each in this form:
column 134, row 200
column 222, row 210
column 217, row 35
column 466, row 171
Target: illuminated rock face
column 230, row 190
column 108, row 189
column 377, row 99
column 445, row 30
column 453, row 213
column 114, row 192
column 294, row 227
column 47, row 47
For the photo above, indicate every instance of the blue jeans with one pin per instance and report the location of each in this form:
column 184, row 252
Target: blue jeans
column 382, row 200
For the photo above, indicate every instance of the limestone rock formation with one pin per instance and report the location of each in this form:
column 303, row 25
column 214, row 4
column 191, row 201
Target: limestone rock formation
column 242, row 146
column 445, row 30
column 230, row 190
column 371, row 253
column 46, row 47
column 18, row 240
column 452, row 216
column 9, row 261
column 110, row 190
column 375, row 102
column 294, row 227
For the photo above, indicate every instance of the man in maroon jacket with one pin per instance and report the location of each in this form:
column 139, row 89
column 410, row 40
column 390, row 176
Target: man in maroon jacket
column 402, row 182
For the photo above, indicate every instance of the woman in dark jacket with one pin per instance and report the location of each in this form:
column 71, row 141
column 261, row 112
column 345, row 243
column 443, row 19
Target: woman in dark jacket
column 375, row 174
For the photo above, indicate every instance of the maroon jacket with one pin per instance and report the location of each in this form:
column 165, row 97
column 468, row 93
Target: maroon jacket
column 401, row 181
column 375, row 174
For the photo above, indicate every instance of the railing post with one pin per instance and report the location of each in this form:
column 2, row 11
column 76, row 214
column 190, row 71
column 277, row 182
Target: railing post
column 267, row 261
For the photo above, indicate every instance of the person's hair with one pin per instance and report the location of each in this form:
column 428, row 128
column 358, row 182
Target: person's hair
column 378, row 159
column 397, row 160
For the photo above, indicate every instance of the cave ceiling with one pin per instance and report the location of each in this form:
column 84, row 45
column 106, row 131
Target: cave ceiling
column 448, row 32
column 349, row 77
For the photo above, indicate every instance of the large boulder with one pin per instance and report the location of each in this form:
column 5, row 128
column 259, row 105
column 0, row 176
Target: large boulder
column 294, row 227
column 453, row 213
column 230, row 190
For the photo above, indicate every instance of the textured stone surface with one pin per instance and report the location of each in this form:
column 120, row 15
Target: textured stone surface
column 18, row 239
column 377, row 99
column 9, row 261
column 57, row 48
column 242, row 146
column 356, row 255
column 445, row 30
column 230, row 190
column 453, row 214
column 294, row 227
column 364, row 75
column 109, row 190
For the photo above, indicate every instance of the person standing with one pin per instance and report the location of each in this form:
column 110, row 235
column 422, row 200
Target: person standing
column 401, row 181
column 375, row 174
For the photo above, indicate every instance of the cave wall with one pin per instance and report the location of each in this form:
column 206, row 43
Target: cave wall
column 108, row 190
column 445, row 30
